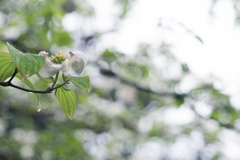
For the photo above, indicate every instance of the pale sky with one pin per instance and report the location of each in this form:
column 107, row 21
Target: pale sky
column 218, row 55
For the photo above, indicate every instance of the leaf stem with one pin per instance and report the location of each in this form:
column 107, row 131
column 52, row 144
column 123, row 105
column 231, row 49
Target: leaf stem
column 56, row 78
column 61, row 84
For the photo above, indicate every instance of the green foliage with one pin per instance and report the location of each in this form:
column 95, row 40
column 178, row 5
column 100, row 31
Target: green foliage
column 185, row 68
column 179, row 102
column 27, row 64
column 46, row 80
column 81, row 82
column 29, row 84
column 131, row 100
column 65, row 78
column 61, row 38
column 7, row 67
column 108, row 56
column 67, row 100
column 199, row 39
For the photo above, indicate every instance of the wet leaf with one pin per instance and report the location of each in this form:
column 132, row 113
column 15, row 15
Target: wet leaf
column 67, row 100
column 27, row 64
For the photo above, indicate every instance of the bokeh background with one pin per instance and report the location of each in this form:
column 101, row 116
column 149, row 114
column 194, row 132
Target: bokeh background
column 164, row 80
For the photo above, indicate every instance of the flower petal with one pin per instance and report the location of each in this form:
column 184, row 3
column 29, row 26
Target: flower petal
column 64, row 67
column 76, row 64
column 48, row 70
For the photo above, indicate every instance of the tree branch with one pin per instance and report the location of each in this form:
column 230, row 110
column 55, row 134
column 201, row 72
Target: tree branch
column 110, row 73
column 225, row 125
column 48, row 90
column 7, row 84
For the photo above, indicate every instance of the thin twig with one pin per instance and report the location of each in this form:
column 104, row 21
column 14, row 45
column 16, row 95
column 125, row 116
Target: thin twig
column 48, row 90
column 7, row 84
column 14, row 74
column 56, row 78
column 29, row 90
column 61, row 85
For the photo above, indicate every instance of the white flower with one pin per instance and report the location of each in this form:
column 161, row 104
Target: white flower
column 71, row 68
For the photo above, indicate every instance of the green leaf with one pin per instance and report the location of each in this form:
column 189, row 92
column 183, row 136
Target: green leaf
column 30, row 85
column 46, row 80
column 199, row 39
column 61, row 38
column 178, row 102
column 67, row 100
column 7, row 67
column 125, row 10
column 185, row 68
column 81, row 82
column 108, row 56
column 27, row 64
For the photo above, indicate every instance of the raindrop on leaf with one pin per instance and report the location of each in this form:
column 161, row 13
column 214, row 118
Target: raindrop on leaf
column 39, row 108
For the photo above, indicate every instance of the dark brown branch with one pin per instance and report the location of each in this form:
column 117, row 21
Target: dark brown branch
column 9, row 84
column 48, row 90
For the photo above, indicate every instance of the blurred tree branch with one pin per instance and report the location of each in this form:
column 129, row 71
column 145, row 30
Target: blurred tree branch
column 225, row 125
column 109, row 73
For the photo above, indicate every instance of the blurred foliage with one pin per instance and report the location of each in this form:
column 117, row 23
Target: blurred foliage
column 124, row 116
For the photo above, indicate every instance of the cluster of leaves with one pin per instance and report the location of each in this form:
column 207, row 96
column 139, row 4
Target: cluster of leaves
column 29, row 64
column 123, row 117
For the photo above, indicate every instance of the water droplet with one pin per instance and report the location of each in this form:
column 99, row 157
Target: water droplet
column 39, row 108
